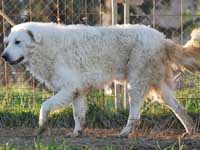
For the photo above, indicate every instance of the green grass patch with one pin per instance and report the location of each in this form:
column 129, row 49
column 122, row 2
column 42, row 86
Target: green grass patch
column 40, row 145
column 19, row 107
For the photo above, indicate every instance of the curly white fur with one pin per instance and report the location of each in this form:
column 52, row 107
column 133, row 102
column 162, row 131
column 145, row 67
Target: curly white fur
column 72, row 59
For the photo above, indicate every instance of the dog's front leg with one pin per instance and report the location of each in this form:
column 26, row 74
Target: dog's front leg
column 79, row 106
column 58, row 101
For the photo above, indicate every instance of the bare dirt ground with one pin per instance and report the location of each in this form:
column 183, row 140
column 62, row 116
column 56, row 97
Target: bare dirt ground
column 99, row 139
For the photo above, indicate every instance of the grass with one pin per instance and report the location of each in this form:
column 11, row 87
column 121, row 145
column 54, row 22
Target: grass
column 22, row 100
column 55, row 146
column 20, row 107
column 39, row 145
column 63, row 144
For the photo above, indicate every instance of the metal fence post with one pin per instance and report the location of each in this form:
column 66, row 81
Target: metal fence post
column 100, row 13
column 125, row 95
column 5, row 64
column 58, row 11
column 114, row 12
column 181, row 21
column 30, row 10
column 154, row 13
column 117, row 96
column 126, row 12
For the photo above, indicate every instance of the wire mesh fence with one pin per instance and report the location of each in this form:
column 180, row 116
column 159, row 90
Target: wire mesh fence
column 60, row 11
column 175, row 19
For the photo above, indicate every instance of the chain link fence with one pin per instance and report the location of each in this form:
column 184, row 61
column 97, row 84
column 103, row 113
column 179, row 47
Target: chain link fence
column 60, row 11
column 175, row 19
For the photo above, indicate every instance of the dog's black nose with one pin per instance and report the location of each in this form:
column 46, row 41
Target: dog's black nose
column 5, row 56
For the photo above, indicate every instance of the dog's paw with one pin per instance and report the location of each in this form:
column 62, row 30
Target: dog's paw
column 125, row 132
column 120, row 135
column 186, row 134
column 74, row 134
column 189, row 132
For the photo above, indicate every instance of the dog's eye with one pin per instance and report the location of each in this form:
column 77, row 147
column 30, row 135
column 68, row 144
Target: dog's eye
column 17, row 42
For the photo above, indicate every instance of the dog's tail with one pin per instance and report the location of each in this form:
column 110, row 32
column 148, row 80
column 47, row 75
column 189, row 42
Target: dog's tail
column 186, row 57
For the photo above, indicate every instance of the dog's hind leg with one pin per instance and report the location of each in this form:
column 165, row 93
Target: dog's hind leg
column 170, row 100
column 79, row 111
column 137, row 90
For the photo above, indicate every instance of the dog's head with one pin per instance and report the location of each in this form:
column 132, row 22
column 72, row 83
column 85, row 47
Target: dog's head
column 19, row 43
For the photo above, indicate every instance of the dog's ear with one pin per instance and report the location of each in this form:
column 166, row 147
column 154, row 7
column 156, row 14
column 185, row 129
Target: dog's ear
column 36, row 37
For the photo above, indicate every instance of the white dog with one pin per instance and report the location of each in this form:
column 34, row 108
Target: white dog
column 73, row 59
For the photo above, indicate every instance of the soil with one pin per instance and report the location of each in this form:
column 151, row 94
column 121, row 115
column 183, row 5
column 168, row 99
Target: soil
column 100, row 139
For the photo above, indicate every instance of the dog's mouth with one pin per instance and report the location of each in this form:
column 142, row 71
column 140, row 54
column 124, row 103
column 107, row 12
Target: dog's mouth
column 20, row 59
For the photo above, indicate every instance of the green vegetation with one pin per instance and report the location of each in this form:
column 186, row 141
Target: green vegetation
column 19, row 107
column 39, row 145
column 63, row 144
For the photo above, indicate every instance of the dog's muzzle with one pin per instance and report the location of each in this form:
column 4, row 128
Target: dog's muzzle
column 6, row 57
